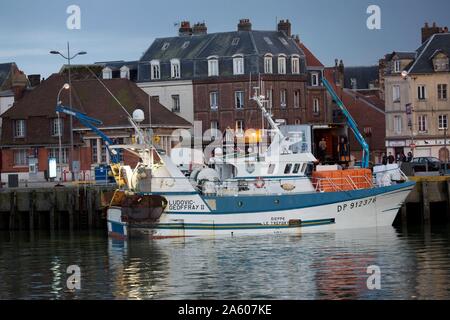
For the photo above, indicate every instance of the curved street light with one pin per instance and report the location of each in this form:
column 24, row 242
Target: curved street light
column 68, row 57
column 66, row 86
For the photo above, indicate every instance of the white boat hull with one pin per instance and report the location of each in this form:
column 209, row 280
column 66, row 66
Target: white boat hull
column 378, row 209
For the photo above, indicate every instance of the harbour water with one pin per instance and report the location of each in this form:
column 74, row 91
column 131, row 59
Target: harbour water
column 414, row 264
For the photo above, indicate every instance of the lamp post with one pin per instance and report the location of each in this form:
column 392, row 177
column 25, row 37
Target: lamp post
column 69, row 58
column 66, row 86
column 405, row 75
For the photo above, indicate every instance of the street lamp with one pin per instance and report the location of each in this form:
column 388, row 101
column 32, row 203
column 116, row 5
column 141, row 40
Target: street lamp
column 66, row 86
column 68, row 57
column 405, row 75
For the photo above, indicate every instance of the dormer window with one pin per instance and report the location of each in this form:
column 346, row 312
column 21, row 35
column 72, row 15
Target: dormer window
column 107, row 73
column 295, row 64
column 125, row 72
column 441, row 62
column 238, row 64
column 315, row 79
column 268, row 66
column 282, row 64
column 397, row 66
column 175, row 68
column 155, row 70
column 213, row 66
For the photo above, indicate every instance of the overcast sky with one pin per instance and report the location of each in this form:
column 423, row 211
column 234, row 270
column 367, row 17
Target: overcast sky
column 123, row 30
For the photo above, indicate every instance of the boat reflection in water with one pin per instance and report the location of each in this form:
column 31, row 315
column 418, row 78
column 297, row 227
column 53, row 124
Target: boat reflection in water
column 413, row 264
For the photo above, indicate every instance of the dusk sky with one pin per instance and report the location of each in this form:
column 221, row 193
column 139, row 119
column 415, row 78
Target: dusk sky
column 123, row 30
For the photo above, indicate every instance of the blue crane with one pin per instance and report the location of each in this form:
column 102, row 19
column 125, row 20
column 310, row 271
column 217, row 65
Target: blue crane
column 351, row 123
column 90, row 123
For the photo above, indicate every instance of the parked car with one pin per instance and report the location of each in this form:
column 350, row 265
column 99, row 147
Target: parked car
column 426, row 164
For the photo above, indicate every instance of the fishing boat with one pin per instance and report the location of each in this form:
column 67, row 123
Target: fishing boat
column 269, row 192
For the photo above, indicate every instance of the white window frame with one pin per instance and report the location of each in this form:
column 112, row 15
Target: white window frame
column 423, row 123
column 19, row 128
column 214, row 100
column 443, row 122
column 398, row 124
column 296, row 99
column 54, row 153
column 295, row 64
column 57, row 127
column 238, row 64
column 315, row 79
column 155, row 70
column 175, row 69
column 125, row 72
column 283, row 98
column 106, row 73
column 282, row 64
column 422, row 92
column 397, row 66
column 239, row 97
column 20, row 157
column 316, row 106
column 396, row 93
column 442, row 88
column 268, row 64
column 213, row 66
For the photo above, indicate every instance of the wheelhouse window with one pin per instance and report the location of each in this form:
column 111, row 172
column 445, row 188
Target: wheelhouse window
column 239, row 99
column 214, row 100
column 282, row 64
column 155, row 70
column 295, row 65
column 288, row 168
column 238, row 65
column 19, row 129
column 297, row 167
column 175, row 68
column 213, row 66
column 271, row 168
column 268, row 65
column 57, row 127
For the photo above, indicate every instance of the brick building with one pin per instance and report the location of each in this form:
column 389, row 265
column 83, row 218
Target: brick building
column 209, row 77
column 366, row 108
column 31, row 128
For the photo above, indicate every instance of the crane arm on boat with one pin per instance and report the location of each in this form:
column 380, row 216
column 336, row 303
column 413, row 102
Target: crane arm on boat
column 351, row 122
column 90, row 123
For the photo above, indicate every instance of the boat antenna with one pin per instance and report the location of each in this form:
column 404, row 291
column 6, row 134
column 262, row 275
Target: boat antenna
column 130, row 118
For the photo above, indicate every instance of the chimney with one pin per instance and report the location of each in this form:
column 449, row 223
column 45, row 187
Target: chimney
column 428, row 32
column 200, row 28
column 185, row 29
column 34, row 80
column 19, row 84
column 244, row 25
column 285, row 26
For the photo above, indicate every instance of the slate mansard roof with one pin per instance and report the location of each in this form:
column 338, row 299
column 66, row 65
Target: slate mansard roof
column 194, row 50
column 5, row 70
column 424, row 62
